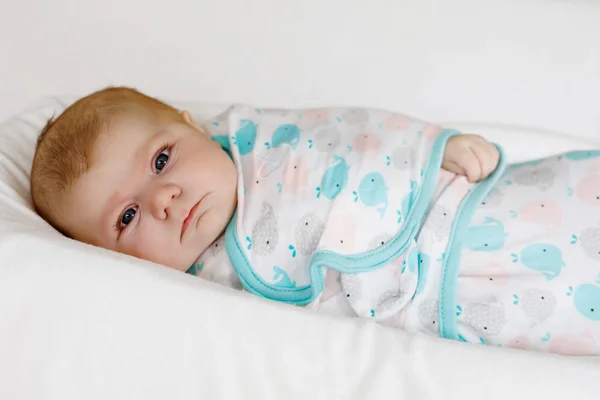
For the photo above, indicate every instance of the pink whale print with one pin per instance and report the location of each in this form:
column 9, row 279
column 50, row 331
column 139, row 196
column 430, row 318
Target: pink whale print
column 339, row 234
column 396, row 122
column 315, row 114
column 569, row 344
column 295, row 177
column 460, row 186
column 312, row 117
column 366, row 143
column 431, row 132
column 445, row 178
column 519, row 343
column 450, row 182
column 588, row 189
column 547, row 213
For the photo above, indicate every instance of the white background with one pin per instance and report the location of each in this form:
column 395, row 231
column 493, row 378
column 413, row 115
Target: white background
column 521, row 62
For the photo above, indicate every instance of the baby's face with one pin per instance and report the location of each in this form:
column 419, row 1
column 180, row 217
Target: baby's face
column 162, row 193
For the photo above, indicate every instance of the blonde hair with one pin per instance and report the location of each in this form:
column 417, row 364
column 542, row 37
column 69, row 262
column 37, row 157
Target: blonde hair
column 65, row 146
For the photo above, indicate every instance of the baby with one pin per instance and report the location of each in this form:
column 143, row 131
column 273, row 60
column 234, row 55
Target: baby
column 349, row 211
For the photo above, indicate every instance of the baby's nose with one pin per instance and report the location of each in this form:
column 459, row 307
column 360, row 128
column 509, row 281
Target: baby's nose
column 162, row 199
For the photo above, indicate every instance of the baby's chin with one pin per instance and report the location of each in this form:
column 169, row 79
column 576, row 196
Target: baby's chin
column 176, row 258
column 185, row 262
column 180, row 265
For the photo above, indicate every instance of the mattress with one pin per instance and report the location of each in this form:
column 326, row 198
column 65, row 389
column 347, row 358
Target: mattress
column 79, row 322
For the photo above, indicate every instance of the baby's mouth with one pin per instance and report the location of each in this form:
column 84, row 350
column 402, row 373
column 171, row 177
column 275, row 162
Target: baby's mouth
column 188, row 220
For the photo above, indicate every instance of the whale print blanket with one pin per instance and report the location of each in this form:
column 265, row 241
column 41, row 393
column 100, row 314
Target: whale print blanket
column 529, row 270
column 346, row 209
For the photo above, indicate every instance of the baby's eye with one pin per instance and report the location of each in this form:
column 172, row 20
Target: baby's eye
column 128, row 216
column 161, row 160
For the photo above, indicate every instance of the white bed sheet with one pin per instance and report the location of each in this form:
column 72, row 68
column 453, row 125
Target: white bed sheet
column 78, row 322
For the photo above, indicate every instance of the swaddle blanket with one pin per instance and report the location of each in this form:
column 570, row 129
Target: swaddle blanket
column 328, row 189
column 356, row 199
column 529, row 270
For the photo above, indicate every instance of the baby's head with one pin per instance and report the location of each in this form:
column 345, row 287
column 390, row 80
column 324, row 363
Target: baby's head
column 124, row 171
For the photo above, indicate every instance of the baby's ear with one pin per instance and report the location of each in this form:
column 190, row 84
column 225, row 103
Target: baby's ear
column 187, row 117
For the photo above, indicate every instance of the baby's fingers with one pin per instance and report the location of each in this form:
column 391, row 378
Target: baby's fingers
column 472, row 166
column 488, row 157
column 452, row 166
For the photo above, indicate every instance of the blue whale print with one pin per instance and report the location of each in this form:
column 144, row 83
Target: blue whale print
column 487, row 237
column 223, row 141
column 372, row 191
column 335, row 178
column 246, row 136
column 543, row 257
column 287, row 133
column 195, row 269
column 582, row 155
column 413, row 259
column 282, row 279
column 587, row 301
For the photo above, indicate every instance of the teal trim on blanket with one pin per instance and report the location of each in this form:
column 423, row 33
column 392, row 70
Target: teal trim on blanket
column 344, row 263
column 447, row 299
column 251, row 281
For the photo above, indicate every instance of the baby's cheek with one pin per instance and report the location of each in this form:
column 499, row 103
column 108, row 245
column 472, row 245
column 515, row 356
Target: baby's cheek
column 153, row 245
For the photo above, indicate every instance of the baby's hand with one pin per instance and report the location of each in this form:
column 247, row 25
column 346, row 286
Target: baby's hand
column 471, row 156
